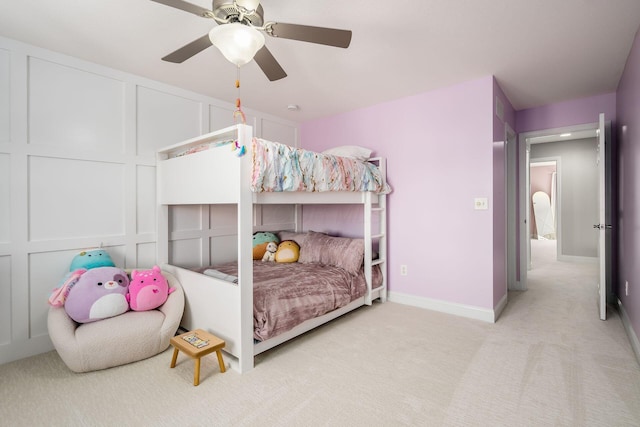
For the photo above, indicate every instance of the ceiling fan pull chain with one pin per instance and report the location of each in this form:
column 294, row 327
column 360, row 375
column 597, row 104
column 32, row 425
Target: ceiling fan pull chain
column 238, row 113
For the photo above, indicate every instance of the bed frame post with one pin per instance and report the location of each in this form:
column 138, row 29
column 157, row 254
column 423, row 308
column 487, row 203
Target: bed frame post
column 382, row 231
column 162, row 239
column 382, row 241
column 162, row 222
column 245, row 252
column 368, row 252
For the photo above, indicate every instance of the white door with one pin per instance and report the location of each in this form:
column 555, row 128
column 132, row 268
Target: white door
column 602, row 225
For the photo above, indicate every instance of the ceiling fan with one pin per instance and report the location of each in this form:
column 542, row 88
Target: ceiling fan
column 248, row 16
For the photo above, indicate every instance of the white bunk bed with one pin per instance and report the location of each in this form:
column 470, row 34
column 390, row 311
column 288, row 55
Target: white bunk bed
column 214, row 176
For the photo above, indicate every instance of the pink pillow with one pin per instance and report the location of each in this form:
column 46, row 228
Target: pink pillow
column 299, row 238
column 340, row 252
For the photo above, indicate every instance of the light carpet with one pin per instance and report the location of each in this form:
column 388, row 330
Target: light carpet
column 548, row 361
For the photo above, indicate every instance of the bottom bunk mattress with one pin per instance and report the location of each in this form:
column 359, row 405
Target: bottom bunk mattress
column 287, row 294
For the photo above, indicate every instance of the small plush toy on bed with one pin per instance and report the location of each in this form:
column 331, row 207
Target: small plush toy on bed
column 288, row 251
column 260, row 241
column 270, row 252
column 148, row 289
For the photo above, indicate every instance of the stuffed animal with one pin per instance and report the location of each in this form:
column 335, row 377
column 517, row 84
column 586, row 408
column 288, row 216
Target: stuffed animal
column 96, row 294
column 91, row 258
column 148, row 289
column 288, row 251
column 270, row 253
column 260, row 241
column 86, row 260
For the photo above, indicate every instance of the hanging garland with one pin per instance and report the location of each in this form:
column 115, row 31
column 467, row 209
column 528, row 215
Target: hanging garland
column 238, row 114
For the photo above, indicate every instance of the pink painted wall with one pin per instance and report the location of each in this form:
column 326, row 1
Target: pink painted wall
column 440, row 157
column 567, row 113
column 628, row 215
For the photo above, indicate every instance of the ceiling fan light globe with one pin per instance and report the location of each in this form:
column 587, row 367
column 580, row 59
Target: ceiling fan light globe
column 237, row 42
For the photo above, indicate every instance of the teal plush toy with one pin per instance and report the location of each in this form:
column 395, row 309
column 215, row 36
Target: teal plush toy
column 260, row 241
column 91, row 258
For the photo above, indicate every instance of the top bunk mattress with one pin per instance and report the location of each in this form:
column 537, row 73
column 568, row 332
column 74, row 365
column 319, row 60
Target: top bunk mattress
column 278, row 167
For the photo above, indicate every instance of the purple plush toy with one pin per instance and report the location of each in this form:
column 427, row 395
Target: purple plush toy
column 148, row 289
column 97, row 294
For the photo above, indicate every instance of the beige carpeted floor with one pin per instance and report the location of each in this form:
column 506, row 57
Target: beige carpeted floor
column 548, row 361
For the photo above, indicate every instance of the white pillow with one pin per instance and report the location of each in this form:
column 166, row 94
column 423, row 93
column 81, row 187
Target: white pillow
column 355, row 151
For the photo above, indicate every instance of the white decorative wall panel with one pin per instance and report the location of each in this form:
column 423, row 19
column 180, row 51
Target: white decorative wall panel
column 277, row 214
column 185, row 253
column 77, row 181
column 118, row 255
column 5, row 98
column 46, row 272
column 223, row 216
column 223, row 249
column 75, row 198
column 220, row 118
column 185, row 217
column 5, row 299
column 75, row 109
column 278, row 132
column 5, row 196
column 146, row 254
column 146, row 199
column 164, row 119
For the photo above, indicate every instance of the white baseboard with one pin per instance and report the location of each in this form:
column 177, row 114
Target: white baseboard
column 462, row 310
column 19, row 350
column 578, row 259
column 497, row 311
column 633, row 338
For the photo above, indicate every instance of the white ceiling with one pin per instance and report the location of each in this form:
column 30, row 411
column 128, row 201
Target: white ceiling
column 541, row 51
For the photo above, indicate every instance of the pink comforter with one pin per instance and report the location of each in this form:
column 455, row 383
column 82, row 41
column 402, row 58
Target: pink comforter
column 285, row 295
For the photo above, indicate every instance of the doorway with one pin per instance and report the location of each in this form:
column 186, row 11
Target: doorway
column 568, row 247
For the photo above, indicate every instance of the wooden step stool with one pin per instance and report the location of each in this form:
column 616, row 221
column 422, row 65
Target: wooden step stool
column 213, row 344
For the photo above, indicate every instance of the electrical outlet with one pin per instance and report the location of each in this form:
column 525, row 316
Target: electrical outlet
column 403, row 270
column 626, row 288
column 481, row 203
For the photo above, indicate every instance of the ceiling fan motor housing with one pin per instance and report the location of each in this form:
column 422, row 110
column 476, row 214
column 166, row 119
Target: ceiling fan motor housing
column 226, row 10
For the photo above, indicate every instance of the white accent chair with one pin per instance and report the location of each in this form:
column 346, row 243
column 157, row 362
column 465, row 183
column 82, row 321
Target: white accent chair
column 129, row 337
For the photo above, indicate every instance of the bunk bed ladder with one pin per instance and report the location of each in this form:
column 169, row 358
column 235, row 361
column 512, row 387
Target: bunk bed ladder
column 372, row 236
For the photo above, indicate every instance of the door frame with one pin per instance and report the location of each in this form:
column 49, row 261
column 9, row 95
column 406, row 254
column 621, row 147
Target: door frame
column 511, row 157
column 525, row 140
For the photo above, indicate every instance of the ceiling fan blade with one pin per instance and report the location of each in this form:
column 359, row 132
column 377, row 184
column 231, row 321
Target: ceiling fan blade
column 188, row 50
column 306, row 33
column 187, row 7
column 270, row 67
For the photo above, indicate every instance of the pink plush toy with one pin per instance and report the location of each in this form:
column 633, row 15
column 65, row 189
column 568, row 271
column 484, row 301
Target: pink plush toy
column 148, row 289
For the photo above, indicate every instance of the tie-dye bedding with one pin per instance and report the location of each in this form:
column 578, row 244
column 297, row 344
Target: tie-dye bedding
column 279, row 167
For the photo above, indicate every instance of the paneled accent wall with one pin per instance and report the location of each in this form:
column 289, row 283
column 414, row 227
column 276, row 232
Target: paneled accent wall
column 77, row 170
